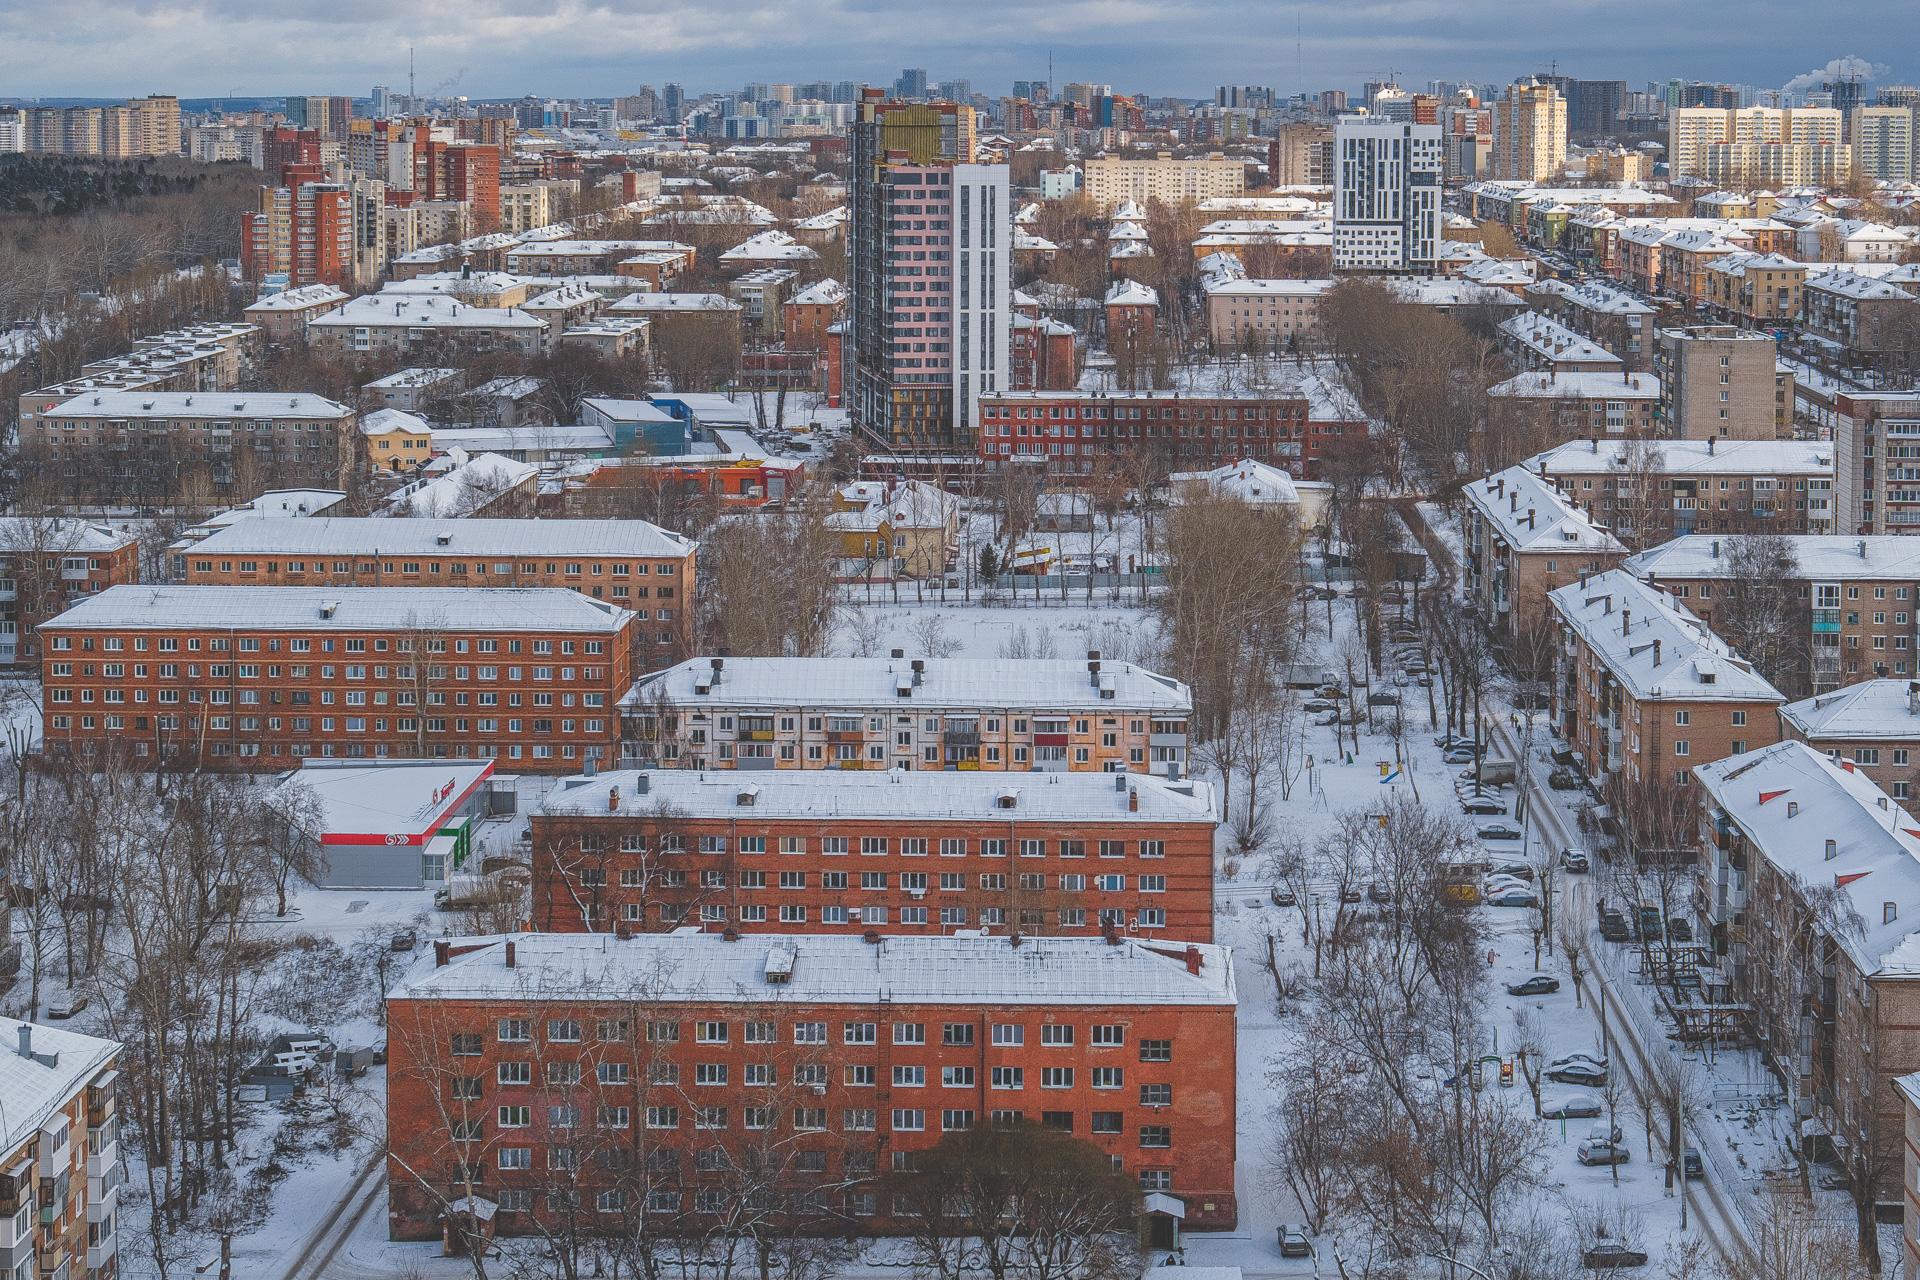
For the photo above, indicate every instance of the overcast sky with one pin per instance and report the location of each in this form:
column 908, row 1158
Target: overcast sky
column 503, row 48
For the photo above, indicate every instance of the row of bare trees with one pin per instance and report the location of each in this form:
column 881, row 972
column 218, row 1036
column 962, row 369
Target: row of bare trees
column 143, row 902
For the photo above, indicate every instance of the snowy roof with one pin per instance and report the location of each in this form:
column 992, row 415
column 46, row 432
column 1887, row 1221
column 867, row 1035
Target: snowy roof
column 1037, row 683
column 1793, row 803
column 821, row 293
column 1532, row 515
column 1551, row 340
column 1584, row 385
column 390, row 310
column 1131, row 293
column 887, row 794
column 415, row 377
column 1654, row 646
column 770, row 245
column 690, row 966
column 63, row 1063
column 1248, row 480
column 676, row 302
column 1857, row 286
column 1693, row 457
column 582, row 248
column 1738, row 264
column 58, row 535
column 1448, row 291
column 177, row 608
column 546, row 436
column 910, row 504
column 1873, row 710
column 474, row 536
column 307, row 295
column 832, row 220
column 1221, row 285
column 383, row 421
column 510, row 387
column 1593, row 296
column 199, row 404
column 1821, row 557
column 1129, row 211
column 465, row 284
column 1027, row 242
column 470, row 481
column 391, row 797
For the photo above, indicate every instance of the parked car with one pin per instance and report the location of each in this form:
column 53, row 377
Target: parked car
column 1518, row 870
column 1575, row 860
column 1328, row 719
column 1332, row 692
column 1565, row 780
column 1648, row 919
column 1690, row 1163
column 1591, row 1152
column 1613, row 927
column 1582, row 1058
column 1497, row 831
column 1422, row 679
column 1561, row 752
column 404, row 940
column 1377, row 893
column 1604, row 1132
column 1602, row 1256
column 1572, row 1106
column 1482, row 805
column 1513, row 896
column 1449, row 740
column 1349, row 894
column 1313, row 706
column 1283, row 896
column 1458, row 755
column 1538, row 984
column 1383, row 699
column 1294, row 1241
column 1579, row 1073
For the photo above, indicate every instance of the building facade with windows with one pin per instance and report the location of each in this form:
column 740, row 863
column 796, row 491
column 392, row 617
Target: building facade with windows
column 46, row 564
column 629, row 563
column 1650, row 493
column 640, row 1076
column 1386, row 199
column 61, row 1162
column 1036, row 714
column 264, row 677
column 1645, row 691
column 899, row 852
column 1872, row 727
column 1857, row 599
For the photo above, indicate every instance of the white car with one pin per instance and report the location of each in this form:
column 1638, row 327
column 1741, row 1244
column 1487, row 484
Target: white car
column 1572, row 1106
column 1513, row 896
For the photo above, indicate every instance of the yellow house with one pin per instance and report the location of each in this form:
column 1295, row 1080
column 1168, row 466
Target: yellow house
column 901, row 527
column 397, row 440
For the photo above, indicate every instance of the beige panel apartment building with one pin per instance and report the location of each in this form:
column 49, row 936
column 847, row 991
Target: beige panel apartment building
column 1110, row 181
column 1719, row 381
column 1042, row 714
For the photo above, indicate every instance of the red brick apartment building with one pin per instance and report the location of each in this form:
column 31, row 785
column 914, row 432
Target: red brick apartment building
column 633, row 564
column 46, row 565
column 1042, row 714
column 264, row 677
column 641, row 1075
column 898, row 852
column 61, row 1162
column 1072, row 430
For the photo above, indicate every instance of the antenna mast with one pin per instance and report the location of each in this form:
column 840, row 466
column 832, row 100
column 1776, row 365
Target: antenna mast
column 410, row 102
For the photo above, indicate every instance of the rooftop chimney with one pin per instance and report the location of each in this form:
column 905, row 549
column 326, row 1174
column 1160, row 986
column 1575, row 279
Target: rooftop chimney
column 26, row 1041
column 441, row 953
column 613, row 799
column 1193, row 959
column 1626, row 621
column 509, row 953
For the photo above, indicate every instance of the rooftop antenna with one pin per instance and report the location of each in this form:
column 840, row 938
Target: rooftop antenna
column 1299, row 56
column 410, row 100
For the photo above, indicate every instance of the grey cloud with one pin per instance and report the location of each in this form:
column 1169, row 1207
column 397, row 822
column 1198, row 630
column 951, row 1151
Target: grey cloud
column 598, row 47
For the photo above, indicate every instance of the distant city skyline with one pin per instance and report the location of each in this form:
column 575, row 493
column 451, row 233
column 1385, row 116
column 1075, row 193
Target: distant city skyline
column 507, row 48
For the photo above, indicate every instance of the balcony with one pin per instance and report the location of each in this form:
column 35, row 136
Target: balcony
column 106, row 1160
column 99, row 1255
column 100, row 1206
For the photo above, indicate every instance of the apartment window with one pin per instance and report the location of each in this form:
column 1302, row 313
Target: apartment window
column 1009, row 1033
column 1156, row 1051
